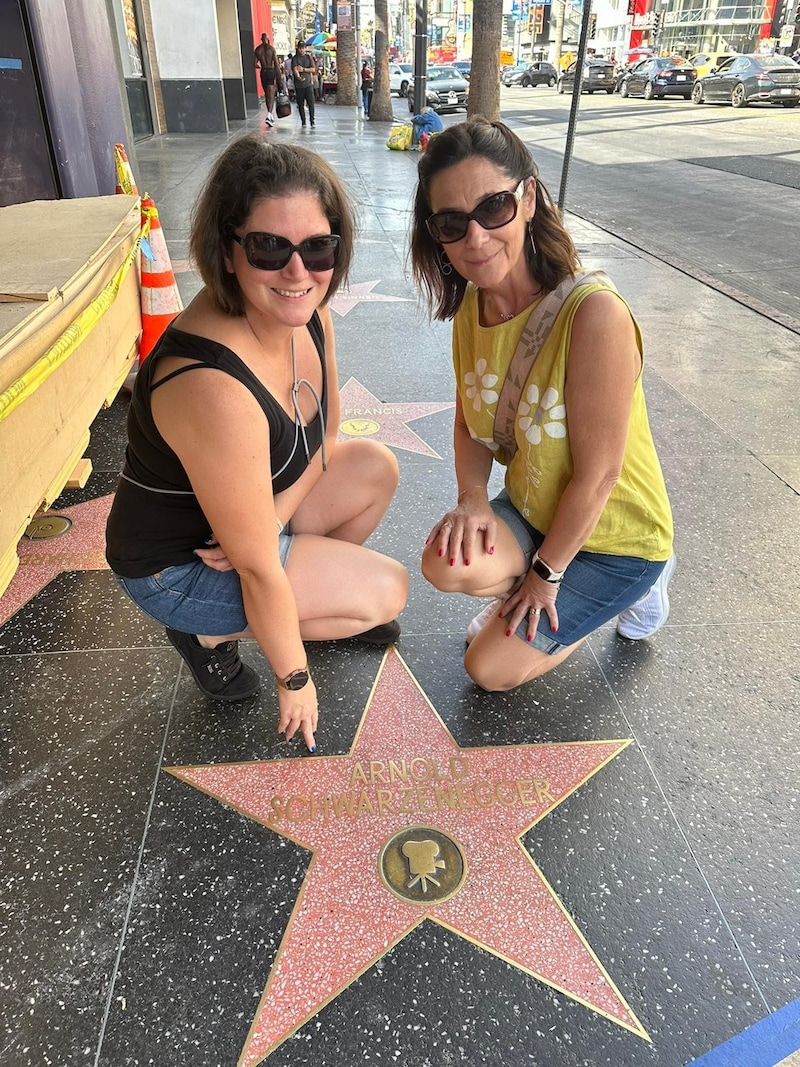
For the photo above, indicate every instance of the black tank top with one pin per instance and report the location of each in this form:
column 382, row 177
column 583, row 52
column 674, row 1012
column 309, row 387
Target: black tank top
column 155, row 520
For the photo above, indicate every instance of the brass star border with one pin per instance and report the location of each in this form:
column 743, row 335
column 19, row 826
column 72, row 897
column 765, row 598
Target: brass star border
column 405, row 770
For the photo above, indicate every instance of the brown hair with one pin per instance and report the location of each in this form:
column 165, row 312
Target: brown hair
column 554, row 256
column 250, row 170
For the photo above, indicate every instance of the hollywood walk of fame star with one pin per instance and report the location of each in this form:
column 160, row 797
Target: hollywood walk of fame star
column 81, row 548
column 363, row 415
column 405, row 772
column 346, row 299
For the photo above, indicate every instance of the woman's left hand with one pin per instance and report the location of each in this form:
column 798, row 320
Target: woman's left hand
column 214, row 558
column 533, row 597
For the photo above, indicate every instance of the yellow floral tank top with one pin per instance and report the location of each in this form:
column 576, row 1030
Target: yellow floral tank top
column 637, row 520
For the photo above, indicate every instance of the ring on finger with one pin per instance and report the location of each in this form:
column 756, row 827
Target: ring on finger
column 536, row 611
column 448, row 523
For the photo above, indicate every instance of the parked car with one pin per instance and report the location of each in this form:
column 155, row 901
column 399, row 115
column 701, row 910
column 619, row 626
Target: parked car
column 399, row 78
column 539, row 73
column 743, row 80
column 446, row 89
column 464, row 67
column 598, row 76
column 706, row 62
column 659, row 76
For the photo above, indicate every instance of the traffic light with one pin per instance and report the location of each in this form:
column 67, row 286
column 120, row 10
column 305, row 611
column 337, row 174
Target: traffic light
column 656, row 22
column 592, row 27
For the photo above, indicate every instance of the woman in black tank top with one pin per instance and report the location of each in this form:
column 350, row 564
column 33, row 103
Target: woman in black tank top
column 238, row 514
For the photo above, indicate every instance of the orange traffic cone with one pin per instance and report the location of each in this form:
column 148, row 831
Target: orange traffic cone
column 125, row 181
column 161, row 301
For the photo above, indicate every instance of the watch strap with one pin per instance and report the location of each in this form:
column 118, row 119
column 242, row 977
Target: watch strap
column 286, row 683
column 545, row 571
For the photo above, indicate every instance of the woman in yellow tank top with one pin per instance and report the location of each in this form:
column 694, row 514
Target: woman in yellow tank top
column 582, row 532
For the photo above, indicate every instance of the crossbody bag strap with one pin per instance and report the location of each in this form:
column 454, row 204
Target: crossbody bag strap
column 538, row 326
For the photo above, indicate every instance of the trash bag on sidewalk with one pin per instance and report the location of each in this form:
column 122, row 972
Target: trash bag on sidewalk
column 400, row 137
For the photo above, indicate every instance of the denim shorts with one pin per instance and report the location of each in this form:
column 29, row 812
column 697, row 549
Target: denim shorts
column 595, row 589
column 194, row 598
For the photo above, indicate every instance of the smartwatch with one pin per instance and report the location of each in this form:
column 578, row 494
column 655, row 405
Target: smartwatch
column 294, row 681
column 538, row 566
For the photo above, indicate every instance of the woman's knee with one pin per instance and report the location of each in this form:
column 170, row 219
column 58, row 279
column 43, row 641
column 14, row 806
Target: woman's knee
column 393, row 581
column 376, row 464
column 436, row 570
column 486, row 673
column 502, row 673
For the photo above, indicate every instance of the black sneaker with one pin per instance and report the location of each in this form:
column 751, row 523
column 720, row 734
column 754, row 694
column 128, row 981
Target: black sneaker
column 219, row 672
column 385, row 634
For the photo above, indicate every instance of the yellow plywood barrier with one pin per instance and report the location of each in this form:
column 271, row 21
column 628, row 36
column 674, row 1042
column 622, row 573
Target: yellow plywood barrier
column 70, row 319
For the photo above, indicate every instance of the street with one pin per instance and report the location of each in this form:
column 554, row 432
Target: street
column 709, row 189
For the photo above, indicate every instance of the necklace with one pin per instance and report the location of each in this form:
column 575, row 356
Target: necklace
column 507, row 316
column 299, row 424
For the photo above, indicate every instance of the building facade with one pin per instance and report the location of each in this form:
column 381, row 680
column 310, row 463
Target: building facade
column 79, row 76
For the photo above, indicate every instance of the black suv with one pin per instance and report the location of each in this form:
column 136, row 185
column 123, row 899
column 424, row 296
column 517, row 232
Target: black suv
column 534, row 74
column 598, row 76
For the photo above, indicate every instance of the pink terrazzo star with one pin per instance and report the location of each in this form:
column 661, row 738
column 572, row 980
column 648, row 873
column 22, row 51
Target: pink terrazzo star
column 406, row 770
column 81, row 548
column 363, row 415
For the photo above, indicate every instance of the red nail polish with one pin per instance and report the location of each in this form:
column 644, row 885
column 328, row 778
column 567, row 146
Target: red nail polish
column 555, row 629
column 491, row 551
column 530, row 638
column 466, row 562
column 452, row 562
column 441, row 553
column 508, row 633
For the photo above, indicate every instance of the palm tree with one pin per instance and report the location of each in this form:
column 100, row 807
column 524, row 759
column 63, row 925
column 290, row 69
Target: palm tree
column 380, row 110
column 346, row 92
column 484, row 79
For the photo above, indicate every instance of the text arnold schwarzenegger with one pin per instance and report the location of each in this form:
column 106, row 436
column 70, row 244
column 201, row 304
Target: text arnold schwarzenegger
column 410, row 787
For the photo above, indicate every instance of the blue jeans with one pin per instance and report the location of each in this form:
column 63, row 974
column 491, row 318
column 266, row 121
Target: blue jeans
column 595, row 589
column 194, row 598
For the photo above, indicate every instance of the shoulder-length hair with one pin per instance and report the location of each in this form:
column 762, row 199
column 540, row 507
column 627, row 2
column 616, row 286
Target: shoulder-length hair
column 554, row 256
column 250, row 170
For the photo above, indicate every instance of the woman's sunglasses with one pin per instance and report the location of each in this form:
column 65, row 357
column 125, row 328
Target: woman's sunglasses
column 268, row 251
column 495, row 211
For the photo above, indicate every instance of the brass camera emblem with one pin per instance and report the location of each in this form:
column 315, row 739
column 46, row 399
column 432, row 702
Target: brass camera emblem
column 422, row 865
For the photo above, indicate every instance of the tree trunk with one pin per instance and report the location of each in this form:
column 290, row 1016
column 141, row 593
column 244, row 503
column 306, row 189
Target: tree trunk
column 346, row 92
column 380, row 109
column 484, row 81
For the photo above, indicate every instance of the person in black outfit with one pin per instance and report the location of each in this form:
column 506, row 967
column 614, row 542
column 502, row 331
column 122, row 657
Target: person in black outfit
column 304, row 73
column 366, row 86
column 238, row 514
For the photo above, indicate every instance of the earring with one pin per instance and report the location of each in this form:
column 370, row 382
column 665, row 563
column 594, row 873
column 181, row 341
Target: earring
column 445, row 266
column 530, row 234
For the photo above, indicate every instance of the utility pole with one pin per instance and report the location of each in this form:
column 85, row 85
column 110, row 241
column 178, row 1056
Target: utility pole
column 357, row 28
column 421, row 56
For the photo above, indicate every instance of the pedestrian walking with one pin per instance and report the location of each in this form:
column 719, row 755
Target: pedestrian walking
column 304, row 72
column 266, row 61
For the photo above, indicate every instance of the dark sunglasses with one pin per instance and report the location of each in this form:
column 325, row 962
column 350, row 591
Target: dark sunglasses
column 495, row 211
column 268, row 251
